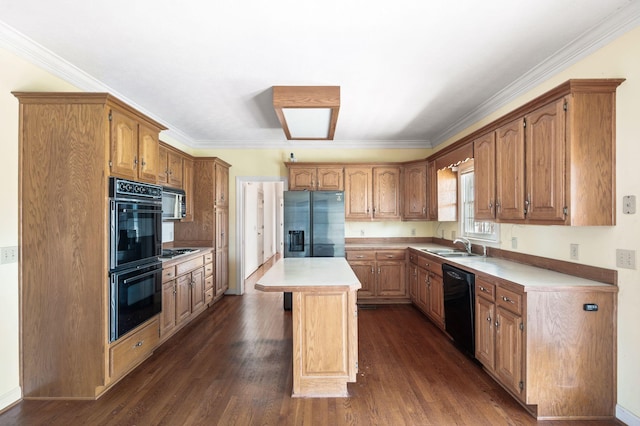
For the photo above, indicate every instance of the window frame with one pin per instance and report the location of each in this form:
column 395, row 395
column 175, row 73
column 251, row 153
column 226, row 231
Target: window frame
column 464, row 169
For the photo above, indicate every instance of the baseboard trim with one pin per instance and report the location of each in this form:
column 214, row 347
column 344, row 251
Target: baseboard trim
column 10, row 398
column 626, row 416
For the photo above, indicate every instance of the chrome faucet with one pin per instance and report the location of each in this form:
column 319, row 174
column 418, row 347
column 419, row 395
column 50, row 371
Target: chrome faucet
column 465, row 242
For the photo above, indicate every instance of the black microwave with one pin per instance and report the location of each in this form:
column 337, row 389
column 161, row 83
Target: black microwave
column 174, row 204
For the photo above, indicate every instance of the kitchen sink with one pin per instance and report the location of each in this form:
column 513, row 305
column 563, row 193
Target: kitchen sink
column 449, row 252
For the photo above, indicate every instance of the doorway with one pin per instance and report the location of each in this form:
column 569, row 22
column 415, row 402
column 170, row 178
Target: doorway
column 259, row 202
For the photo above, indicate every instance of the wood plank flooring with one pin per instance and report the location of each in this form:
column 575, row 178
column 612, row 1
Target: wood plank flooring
column 232, row 366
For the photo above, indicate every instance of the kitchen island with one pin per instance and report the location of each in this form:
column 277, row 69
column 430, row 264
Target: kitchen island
column 325, row 322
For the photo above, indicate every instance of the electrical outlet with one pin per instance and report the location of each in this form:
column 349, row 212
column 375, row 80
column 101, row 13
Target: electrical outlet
column 629, row 204
column 573, row 251
column 514, row 242
column 362, row 232
column 9, row 254
column 626, row 259
column 413, row 232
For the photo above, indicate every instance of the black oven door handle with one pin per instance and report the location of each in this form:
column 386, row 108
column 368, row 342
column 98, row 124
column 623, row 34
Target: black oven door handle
column 137, row 277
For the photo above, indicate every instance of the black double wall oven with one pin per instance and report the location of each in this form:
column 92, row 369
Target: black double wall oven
column 135, row 242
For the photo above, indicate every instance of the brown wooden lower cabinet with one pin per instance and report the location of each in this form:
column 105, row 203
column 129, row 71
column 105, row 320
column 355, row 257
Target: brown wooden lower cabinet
column 187, row 290
column 552, row 349
column 382, row 275
column 130, row 351
column 425, row 273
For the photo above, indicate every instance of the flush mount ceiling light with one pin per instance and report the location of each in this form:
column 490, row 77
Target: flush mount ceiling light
column 307, row 112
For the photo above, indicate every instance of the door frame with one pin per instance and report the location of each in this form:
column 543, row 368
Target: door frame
column 240, row 180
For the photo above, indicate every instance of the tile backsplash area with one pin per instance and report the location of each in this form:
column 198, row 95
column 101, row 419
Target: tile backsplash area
column 167, row 232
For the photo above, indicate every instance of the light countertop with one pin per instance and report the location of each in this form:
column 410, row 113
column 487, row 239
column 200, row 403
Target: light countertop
column 530, row 277
column 309, row 274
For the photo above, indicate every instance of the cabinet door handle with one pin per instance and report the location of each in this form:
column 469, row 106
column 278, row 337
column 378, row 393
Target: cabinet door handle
column 372, row 270
column 390, row 256
column 378, row 270
column 359, row 256
column 506, row 299
column 489, row 319
column 497, row 324
column 137, row 345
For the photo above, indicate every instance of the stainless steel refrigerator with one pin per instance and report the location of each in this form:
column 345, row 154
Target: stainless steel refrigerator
column 313, row 226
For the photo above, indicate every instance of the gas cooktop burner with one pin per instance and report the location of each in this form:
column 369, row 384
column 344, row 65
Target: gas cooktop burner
column 170, row 253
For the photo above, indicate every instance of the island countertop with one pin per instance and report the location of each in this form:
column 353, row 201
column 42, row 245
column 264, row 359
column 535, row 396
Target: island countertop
column 309, row 274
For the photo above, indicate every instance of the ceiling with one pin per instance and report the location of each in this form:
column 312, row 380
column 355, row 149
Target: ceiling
column 412, row 72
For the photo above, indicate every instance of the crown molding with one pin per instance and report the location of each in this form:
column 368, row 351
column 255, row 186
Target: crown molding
column 607, row 30
column 320, row 144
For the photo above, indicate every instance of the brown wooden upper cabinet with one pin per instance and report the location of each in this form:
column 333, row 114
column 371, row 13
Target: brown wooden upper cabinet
column 171, row 170
column 414, row 197
column 222, row 186
column 372, row 192
column 133, row 148
column 432, row 191
column 310, row 177
column 554, row 159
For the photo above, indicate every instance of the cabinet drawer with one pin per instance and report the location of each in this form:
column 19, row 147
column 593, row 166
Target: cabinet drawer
column 391, row 255
column 208, row 258
column 486, row 290
column 133, row 349
column 168, row 273
column 189, row 265
column 208, row 283
column 509, row 300
column 208, row 296
column 361, row 255
column 208, row 269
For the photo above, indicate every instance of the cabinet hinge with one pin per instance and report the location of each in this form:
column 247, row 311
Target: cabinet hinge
column 521, row 385
column 521, row 326
column 565, row 211
column 110, row 164
column 356, row 365
column 524, row 122
column 565, row 106
column 110, row 116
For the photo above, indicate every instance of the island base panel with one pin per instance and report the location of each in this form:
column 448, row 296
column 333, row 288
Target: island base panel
column 325, row 343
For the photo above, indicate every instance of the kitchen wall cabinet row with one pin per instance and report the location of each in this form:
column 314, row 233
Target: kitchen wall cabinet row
column 552, row 161
column 384, row 191
column 553, row 349
column 70, row 144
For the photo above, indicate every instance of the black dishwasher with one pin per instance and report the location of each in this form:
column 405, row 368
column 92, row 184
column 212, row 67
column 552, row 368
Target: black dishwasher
column 459, row 307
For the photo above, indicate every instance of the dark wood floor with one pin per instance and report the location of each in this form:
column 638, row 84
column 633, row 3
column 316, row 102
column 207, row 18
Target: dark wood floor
column 232, row 366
